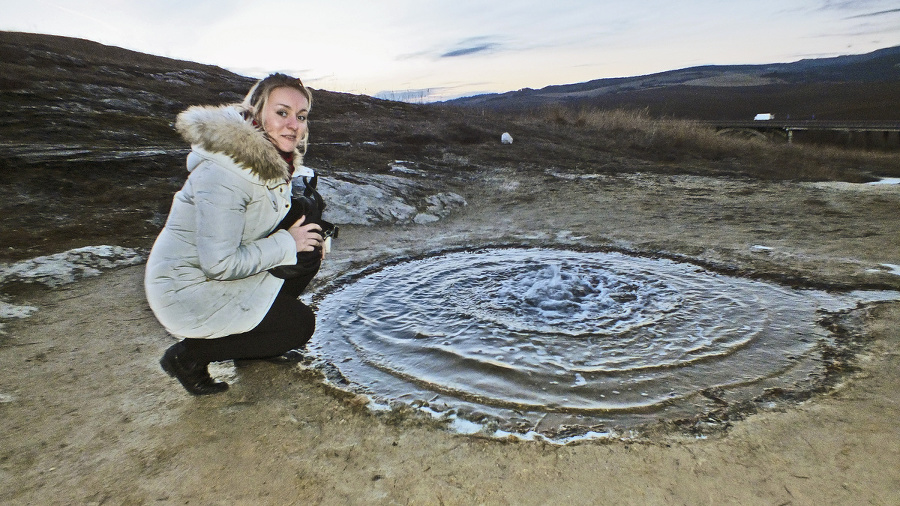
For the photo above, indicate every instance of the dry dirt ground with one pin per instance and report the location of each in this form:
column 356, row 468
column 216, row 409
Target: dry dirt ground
column 88, row 417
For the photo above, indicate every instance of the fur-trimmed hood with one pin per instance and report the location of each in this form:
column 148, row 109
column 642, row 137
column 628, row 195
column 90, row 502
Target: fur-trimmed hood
column 222, row 129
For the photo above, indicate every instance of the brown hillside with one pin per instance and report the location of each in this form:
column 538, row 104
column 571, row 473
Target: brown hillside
column 87, row 147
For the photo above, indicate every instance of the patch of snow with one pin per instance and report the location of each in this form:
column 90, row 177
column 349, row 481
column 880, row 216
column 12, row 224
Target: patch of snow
column 886, row 180
column 566, row 236
column 868, row 296
column 573, row 176
column 463, row 426
column 579, row 380
column 69, row 266
column 423, row 218
column 506, row 138
column 889, row 185
column 224, row 371
column 8, row 310
column 886, row 268
column 404, row 169
column 375, row 405
column 761, row 249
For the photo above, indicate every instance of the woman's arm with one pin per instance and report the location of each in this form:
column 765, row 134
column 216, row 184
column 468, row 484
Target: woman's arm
column 221, row 199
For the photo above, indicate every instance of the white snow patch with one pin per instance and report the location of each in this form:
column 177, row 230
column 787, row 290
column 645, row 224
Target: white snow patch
column 463, row 426
column 70, row 266
column 886, row 180
column 575, row 176
column 8, row 310
column 886, row 268
column 400, row 166
column 888, row 185
column 423, row 218
column 566, row 236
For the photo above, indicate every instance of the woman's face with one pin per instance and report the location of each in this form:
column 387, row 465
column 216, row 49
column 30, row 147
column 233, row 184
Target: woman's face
column 284, row 117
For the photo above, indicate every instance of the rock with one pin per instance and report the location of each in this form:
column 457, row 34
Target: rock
column 423, row 218
column 441, row 204
column 369, row 199
column 362, row 204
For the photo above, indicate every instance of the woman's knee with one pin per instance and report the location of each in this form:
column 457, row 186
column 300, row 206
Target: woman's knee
column 306, row 320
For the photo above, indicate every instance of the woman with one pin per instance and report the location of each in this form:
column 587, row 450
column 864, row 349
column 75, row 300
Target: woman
column 206, row 279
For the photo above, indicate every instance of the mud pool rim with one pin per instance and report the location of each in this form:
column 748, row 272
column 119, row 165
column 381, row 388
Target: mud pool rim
column 838, row 360
column 794, row 280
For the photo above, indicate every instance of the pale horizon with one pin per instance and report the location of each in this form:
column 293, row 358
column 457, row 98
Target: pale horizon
column 428, row 51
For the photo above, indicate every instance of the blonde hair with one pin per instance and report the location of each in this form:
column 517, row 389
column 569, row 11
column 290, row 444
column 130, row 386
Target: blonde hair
column 256, row 98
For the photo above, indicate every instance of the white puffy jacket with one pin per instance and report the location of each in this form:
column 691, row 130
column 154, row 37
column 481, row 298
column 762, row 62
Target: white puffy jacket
column 206, row 275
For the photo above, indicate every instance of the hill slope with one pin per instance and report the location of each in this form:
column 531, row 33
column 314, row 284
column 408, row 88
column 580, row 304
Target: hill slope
column 857, row 87
column 88, row 154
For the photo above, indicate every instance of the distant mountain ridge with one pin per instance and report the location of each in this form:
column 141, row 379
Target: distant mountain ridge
column 865, row 86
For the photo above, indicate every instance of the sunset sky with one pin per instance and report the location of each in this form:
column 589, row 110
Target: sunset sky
column 431, row 50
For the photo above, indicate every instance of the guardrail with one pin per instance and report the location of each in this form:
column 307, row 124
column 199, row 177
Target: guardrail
column 811, row 124
column 864, row 134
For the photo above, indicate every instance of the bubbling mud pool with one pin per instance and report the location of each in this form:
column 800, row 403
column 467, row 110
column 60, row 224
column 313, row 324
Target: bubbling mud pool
column 558, row 342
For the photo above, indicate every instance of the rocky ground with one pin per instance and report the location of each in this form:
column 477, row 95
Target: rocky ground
column 88, row 417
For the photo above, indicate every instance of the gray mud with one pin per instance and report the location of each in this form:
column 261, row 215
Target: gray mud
column 86, row 416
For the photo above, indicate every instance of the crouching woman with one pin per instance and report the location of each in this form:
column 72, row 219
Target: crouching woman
column 206, row 278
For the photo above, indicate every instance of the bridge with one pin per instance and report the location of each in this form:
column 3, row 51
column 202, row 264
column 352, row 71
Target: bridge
column 864, row 134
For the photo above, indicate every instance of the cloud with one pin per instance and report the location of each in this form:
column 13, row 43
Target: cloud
column 469, row 50
column 465, row 47
column 874, row 14
column 853, row 5
column 470, row 46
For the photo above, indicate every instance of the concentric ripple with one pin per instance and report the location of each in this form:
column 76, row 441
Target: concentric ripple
column 517, row 334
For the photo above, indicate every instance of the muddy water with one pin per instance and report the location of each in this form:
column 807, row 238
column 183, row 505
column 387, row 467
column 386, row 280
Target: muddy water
column 538, row 339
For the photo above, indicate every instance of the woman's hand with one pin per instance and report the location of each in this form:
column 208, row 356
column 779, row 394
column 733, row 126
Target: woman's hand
column 308, row 237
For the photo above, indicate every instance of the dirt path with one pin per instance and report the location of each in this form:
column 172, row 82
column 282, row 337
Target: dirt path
column 87, row 416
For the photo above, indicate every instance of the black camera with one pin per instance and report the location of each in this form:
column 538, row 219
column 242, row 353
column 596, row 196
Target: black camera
column 311, row 205
column 306, row 201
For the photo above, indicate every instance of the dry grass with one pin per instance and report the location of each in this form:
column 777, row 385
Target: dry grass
column 683, row 141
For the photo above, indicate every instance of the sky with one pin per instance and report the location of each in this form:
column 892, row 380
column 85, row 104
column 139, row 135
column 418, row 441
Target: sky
column 422, row 50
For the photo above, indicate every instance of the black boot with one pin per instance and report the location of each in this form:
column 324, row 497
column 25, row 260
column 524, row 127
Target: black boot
column 193, row 376
column 290, row 357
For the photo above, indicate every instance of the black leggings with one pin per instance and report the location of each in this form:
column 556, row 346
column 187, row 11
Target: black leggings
column 288, row 325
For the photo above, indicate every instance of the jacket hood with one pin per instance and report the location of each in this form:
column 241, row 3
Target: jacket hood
column 222, row 129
